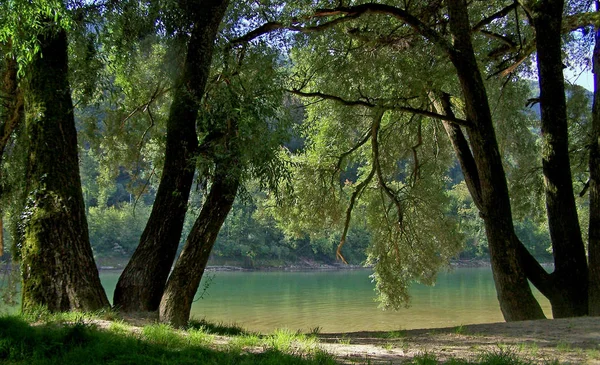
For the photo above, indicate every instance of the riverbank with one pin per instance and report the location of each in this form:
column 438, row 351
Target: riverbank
column 302, row 265
column 107, row 337
column 562, row 341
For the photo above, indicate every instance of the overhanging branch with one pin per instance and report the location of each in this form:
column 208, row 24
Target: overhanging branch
column 497, row 15
column 370, row 104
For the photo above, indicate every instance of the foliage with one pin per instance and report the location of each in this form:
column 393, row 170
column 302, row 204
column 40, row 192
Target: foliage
column 22, row 22
column 80, row 342
column 115, row 232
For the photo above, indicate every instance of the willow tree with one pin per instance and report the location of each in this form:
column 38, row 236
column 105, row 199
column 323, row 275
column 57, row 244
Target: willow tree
column 141, row 284
column 454, row 41
column 57, row 264
column 243, row 121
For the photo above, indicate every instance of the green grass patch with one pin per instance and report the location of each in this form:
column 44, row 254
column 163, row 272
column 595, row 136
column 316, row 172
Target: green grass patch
column 217, row 328
column 80, row 343
column 501, row 356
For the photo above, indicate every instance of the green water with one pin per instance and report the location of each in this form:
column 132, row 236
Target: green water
column 341, row 301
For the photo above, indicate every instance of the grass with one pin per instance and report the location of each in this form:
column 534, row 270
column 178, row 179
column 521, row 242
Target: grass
column 217, row 328
column 62, row 341
column 501, row 356
column 70, row 338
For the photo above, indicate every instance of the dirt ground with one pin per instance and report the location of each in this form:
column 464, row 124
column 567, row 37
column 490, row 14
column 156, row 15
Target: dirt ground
column 570, row 341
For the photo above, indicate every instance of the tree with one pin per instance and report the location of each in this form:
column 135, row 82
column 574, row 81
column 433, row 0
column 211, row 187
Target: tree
column 57, row 265
column 594, row 190
column 243, row 122
column 485, row 172
column 184, row 280
column 479, row 154
column 568, row 287
column 141, row 284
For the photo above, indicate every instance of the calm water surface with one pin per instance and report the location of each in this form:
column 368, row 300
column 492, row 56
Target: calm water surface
column 341, row 301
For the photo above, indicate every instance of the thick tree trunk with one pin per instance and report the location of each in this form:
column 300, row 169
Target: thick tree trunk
column 141, row 284
column 56, row 257
column 514, row 294
column 569, row 296
column 594, row 189
column 184, row 280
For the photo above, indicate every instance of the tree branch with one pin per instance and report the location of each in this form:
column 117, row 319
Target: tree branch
column 359, row 188
column 370, row 104
column 463, row 154
column 273, row 26
column 347, row 13
column 364, row 140
column 375, row 150
column 398, row 13
column 497, row 15
column 416, row 169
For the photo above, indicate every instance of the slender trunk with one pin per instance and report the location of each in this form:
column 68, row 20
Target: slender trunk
column 183, row 282
column 514, row 294
column 141, row 284
column 570, row 278
column 462, row 151
column 57, row 263
column 594, row 189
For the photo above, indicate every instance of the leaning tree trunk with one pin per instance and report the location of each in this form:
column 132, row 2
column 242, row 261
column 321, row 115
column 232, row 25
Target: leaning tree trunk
column 183, row 282
column 56, row 257
column 594, row 189
column 141, row 284
column 514, row 294
column 570, row 278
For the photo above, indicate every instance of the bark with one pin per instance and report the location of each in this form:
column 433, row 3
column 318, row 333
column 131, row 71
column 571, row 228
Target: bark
column 183, row 282
column 57, row 263
column 141, row 284
column 11, row 98
column 463, row 153
column 569, row 296
column 514, row 294
column 594, row 189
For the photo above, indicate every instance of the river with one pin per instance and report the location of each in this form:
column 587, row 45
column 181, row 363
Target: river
column 341, row 301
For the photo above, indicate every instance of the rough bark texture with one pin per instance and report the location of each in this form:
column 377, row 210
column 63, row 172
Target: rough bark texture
column 570, row 278
column 514, row 294
column 141, row 284
column 57, row 263
column 594, row 189
column 183, row 282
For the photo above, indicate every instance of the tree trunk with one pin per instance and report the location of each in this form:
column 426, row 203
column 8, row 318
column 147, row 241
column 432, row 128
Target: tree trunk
column 594, row 189
column 141, row 284
column 57, row 263
column 183, row 283
column 570, row 278
column 514, row 294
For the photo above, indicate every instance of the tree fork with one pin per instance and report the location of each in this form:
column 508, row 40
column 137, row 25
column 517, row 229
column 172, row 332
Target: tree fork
column 176, row 302
column 514, row 294
column 141, row 284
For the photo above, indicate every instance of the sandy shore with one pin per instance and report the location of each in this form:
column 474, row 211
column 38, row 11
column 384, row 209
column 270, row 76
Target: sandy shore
column 569, row 341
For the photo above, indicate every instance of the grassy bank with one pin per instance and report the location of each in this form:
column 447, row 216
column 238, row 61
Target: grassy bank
column 75, row 338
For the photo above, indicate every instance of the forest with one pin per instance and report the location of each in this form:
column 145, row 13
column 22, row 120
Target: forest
column 399, row 134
